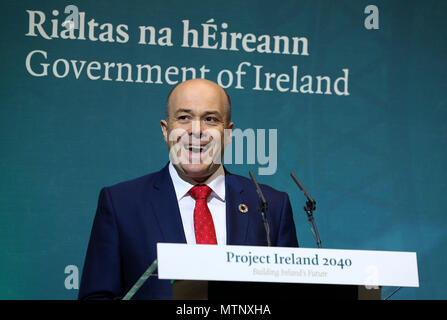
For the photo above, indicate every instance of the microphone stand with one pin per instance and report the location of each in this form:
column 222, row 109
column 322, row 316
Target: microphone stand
column 311, row 205
column 263, row 206
column 149, row 271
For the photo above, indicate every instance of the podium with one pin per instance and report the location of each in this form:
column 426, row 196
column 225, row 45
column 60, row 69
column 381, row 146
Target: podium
column 250, row 272
column 225, row 290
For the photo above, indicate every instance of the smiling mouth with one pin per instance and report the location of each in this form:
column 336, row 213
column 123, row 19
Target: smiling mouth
column 197, row 149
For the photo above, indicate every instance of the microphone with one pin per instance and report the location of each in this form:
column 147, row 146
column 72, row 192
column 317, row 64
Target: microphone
column 263, row 206
column 311, row 205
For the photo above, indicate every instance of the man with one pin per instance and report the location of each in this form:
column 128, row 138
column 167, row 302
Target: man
column 191, row 200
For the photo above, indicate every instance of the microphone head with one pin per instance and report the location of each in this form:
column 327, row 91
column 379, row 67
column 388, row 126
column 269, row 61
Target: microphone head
column 302, row 188
column 258, row 188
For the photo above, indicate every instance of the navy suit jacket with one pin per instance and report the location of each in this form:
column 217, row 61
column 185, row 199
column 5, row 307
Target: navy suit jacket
column 133, row 216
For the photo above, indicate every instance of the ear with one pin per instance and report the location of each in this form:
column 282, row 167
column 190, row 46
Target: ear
column 164, row 129
column 227, row 133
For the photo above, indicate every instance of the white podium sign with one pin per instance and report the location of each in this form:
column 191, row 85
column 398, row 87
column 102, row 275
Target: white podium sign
column 292, row 265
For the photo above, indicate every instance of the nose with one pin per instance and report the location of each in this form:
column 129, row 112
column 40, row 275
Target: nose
column 196, row 128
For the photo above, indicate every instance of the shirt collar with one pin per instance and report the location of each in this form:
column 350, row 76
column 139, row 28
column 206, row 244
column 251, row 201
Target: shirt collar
column 216, row 182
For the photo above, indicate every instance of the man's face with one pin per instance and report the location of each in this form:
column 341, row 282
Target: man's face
column 195, row 128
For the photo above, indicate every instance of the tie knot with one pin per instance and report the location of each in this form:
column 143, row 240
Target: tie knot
column 200, row 192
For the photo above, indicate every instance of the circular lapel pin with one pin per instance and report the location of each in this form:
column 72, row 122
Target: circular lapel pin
column 243, row 208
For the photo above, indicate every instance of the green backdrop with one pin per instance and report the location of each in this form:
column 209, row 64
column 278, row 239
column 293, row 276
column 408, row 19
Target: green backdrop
column 375, row 160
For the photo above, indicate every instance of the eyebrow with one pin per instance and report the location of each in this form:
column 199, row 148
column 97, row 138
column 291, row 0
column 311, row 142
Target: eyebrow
column 212, row 112
column 183, row 110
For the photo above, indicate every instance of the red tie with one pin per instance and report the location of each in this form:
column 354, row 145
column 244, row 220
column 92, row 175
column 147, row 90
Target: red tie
column 203, row 221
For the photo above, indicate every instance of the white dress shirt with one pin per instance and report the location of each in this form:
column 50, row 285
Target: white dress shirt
column 216, row 204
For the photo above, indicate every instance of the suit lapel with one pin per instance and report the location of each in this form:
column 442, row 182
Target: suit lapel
column 237, row 221
column 166, row 210
column 165, row 205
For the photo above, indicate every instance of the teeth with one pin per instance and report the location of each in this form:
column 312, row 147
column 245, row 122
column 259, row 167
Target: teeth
column 195, row 148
